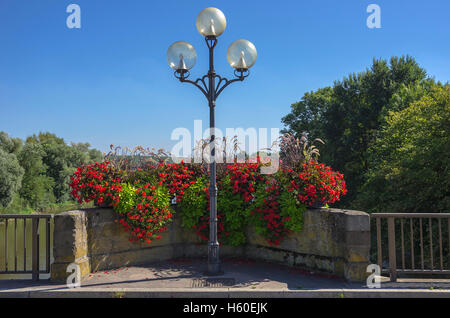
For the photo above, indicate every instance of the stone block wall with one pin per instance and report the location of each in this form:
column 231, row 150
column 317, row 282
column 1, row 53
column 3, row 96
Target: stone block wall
column 332, row 240
column 70, row 244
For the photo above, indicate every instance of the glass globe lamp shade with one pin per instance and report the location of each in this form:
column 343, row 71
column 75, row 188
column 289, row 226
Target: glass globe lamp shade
column 241, row 54
column 211, row 22
column 181, row 56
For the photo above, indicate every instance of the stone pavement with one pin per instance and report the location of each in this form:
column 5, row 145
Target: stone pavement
column 241, row 278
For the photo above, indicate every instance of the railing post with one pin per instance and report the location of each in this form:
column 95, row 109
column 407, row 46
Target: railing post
column 47, row 245
column 392, row 252
column 6, row 244
column 35, row 249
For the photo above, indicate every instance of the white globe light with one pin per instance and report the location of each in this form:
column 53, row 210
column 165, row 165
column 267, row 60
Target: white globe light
column 241, row 54
column 211, row 22
column 181, row 56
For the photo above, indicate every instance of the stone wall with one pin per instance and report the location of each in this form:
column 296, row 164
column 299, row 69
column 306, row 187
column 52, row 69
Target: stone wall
column 333, row 241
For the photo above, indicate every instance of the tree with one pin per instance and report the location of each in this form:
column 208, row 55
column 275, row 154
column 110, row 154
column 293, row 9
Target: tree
column 60, row 161
column 37, row 174
column 10, row 145
column 409, row 160
column 348, row 115
column 308, row 114
column 43, row 138
column 37, row 187
column 10, row 177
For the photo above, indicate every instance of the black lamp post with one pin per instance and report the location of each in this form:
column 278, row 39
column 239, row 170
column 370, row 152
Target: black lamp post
column 181, row 56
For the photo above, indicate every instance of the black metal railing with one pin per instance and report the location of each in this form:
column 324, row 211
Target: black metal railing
column 418, row 242
column 16, row 238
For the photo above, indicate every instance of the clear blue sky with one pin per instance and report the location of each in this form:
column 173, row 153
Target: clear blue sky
column 109, row 81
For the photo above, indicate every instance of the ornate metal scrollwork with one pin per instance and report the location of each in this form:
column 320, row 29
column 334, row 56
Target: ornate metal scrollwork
column 222, row 82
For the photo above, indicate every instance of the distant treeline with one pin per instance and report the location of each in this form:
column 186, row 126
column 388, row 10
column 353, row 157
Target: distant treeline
column 35, row 173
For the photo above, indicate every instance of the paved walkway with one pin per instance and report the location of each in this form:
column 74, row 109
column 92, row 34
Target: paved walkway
column 241, row 278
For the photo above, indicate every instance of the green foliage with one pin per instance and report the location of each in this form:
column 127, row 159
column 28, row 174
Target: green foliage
column 36, row 174
column 409, row 159
column 194, row 203
column 150, row 214
column 348, row 115
column 55, row 208
column 11, row 174
column 147, row 174
column 231, row 210
column 308, row 114
column 292, row 211
column 275, row 198
column 61, row 160
column 127, row 198
column 235, row 215
column 60, row 168
column 406, row 94
column 37, row 187
column 8, row 144
column 163, row 195
column 17, row 206
column 255, row 219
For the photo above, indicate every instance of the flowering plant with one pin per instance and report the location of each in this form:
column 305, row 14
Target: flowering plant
column 177, row 178
column 244, row 178
column 272, row 204
column 275, row 211
column 95, row 182
column 147, row 211
column 231, row 210
column 316, row 183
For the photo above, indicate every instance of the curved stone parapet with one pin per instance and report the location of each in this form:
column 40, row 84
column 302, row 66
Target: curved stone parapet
column 332, row 240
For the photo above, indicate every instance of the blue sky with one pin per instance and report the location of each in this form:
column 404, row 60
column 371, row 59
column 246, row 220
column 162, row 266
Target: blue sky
column 109, row 82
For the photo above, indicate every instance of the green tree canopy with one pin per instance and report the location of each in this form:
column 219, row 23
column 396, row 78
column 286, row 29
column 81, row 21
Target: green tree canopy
column 36, row 174
column 410, row 159
column 61, row 159
column 348, row 115
column 37, row 186
column 10, row 177
column 8, row 144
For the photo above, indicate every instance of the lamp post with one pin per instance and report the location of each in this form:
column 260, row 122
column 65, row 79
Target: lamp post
column 181, row 56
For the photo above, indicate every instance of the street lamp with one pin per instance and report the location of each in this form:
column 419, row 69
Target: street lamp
column 181, row 57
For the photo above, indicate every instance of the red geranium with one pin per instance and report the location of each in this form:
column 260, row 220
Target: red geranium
column 95, row 182
column 317, row 183
column 149, row 217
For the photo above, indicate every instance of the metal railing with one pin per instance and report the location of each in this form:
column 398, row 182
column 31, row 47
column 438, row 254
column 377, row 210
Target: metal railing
column 422, row 246
column 17, row 224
